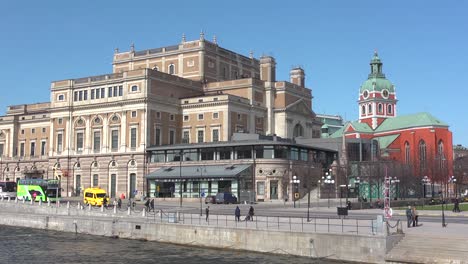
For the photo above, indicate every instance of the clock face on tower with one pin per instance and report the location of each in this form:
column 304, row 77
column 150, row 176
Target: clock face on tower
column 365, row 94
column 385, row 93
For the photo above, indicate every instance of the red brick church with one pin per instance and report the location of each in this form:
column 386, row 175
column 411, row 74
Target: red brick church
column 420, row 139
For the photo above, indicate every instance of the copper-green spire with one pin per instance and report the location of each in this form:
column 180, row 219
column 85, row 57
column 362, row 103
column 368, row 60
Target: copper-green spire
column 376, row 67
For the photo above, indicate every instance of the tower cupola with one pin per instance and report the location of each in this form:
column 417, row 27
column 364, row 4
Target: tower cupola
column 377, row 97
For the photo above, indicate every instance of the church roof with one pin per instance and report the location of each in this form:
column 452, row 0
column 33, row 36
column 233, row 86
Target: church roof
column 377, row 81
column 357, row 127
column 408, row 121
column 385, row 141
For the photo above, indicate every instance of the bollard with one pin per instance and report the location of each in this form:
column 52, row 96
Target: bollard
column 102, row 207
column 128, row 211
column 115, row 209
column 40, row 202
column 24, row 200
column 68, row 205
column 48, row 203
column 31, row 201
column 8, row 199
column 16, row 200
column 89, row 207
column 143, row 213
column 58, row 203
column 2, row 198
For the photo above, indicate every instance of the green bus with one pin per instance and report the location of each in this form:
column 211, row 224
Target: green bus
column 38, row 189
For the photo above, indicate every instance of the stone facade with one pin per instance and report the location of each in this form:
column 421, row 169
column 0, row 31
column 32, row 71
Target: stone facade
column 95, row 130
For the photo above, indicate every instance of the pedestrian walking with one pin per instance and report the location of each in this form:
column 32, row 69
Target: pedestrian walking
column 409, row 216
column 119, row 203
column 237, row 213
column 414, row 214
column 251, row 213
column 147, row 205
column 207, row 212
column 456, row 206
column 152, row 205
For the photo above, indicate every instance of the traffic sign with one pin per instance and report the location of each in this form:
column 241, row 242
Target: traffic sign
column 202, row 194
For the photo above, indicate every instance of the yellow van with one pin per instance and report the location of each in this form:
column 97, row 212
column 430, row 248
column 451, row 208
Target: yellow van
column 94, row 196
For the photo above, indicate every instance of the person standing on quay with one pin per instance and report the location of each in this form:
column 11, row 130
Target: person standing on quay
column 237, row 213
column 251, row 213
column 207, row 212
column 409, row 216
column 414, row 214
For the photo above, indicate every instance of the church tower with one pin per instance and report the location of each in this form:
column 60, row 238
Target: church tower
column 377, row 97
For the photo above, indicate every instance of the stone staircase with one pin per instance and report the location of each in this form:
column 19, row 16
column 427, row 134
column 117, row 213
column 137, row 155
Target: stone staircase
column 425, row 249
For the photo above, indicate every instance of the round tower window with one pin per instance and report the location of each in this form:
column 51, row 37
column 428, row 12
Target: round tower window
column 385, row 93
column 365, row 94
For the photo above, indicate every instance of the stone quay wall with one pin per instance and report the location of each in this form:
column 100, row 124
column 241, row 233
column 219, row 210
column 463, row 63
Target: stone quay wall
column 350, row 247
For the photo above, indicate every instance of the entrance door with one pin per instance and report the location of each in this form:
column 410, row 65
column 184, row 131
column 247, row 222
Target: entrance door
column 113, row 185
column 77, row 185
column 132, row 185
column 273, row 190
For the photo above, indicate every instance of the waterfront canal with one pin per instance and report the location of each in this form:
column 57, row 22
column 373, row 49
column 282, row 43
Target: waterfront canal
column 25, row 245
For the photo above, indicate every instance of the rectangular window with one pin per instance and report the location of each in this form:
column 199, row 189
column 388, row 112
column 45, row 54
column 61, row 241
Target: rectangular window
column 158, row 115
column 79, row 141
column 95, row 180
column 109, row 92
column 60, row 121
column 97, row 141
column 261, row 188
column 157, row 136
column 22, row 150
column 224, row 153
column 1, row 150
column 115, row 140
column 75, row 96
column 22, row 131
column 85, row 95
column 92, row 94
column 80, row 96
column 186, row 118
column 32, row 151
column 244, row 152
column 200, row 136
column 43, row 130
column 171, row 117
column 215, row 115
column 134, row 113
column 43, row 148
column 171, row 137
column 103, row 92
column 200, row 116
column 33, row 130
column 133, row 137
column 115, row 91
column 186, row 137
column 215, row 135
column 97, row 93
column 59, row 143
column 120, row 90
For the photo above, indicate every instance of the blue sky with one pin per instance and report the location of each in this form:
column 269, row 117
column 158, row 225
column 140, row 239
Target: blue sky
column 423, row 45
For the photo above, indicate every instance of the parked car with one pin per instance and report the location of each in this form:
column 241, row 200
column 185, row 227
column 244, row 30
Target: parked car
column 225, row 198
column 210, row 199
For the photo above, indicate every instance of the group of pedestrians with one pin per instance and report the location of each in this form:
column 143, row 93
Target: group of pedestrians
column 412, row 216
column 149, row 205
column 248, row 217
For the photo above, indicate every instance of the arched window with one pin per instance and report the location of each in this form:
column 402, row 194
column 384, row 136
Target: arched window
column 363, row 109
column 298, row 131
column 171, row 69
column 389, row 109
column 369, row 109
column 422, row 154
column 380, row 108
column 407, row 153
column 440, row 154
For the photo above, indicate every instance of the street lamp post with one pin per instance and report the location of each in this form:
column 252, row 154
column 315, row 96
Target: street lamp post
column 425, row 180
column 328, row 181
column 201, row 170
column 295, row 181
column 180, row 176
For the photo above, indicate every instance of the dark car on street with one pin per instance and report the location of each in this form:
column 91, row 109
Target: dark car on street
column 210, row 199
column 225, row 198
